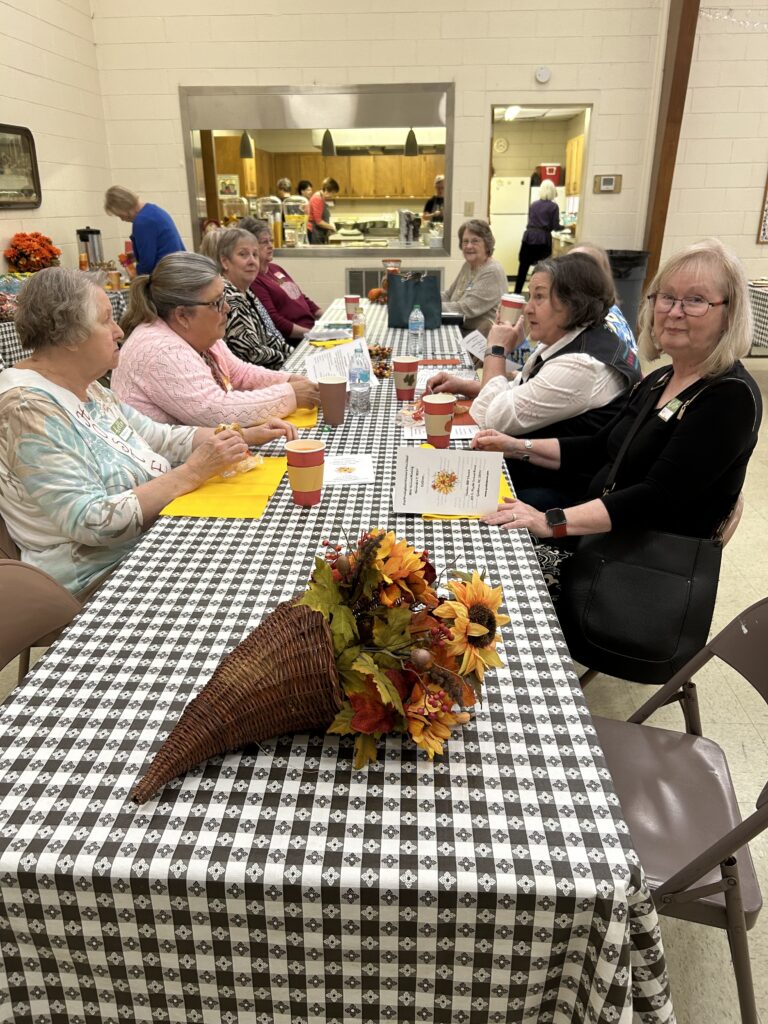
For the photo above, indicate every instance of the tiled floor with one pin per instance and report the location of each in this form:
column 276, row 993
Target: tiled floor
column 703, row 987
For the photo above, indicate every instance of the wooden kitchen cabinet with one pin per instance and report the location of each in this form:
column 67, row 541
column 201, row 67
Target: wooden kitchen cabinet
column 387, row 176
column 361, row 176
column 574, row 157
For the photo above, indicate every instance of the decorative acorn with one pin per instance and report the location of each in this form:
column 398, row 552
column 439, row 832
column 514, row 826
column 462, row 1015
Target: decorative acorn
column 281, row 679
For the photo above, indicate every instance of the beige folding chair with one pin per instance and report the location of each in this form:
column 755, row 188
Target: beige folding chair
column 34, row 608
column 679, row 803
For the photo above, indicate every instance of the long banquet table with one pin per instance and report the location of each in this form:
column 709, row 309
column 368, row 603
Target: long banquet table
column 495, row 884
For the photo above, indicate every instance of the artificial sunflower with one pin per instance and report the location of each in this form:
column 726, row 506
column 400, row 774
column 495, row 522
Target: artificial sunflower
column 405, row 574
column 429, row 718
column 476, row 617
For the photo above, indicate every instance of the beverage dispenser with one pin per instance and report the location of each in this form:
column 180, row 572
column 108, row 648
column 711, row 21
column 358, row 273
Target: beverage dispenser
column 90, row 252
column 410, row 226
column 270, row 209
column 295, row 209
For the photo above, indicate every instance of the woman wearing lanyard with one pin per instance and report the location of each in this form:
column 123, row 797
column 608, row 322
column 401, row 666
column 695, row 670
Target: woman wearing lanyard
column 82, row 476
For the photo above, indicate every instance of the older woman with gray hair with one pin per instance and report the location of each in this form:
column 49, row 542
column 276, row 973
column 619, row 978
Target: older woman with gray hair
column 251, row 332
column 476, row 292
column 81, row 475
column 536, row 245
column 175, row 367
column 154, row 234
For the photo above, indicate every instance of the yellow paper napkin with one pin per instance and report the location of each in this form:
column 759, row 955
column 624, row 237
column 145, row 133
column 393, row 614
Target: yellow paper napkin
column 243, row 496
column 303, row 418
column 505, row 491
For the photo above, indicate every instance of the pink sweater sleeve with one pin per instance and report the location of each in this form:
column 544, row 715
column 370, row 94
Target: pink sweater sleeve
column 181, row 384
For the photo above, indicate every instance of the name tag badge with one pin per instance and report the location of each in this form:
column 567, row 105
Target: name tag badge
column 669, row 409
column 119, row 427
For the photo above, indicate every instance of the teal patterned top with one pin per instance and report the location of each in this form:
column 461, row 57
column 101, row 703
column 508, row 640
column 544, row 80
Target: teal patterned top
column 68, row 470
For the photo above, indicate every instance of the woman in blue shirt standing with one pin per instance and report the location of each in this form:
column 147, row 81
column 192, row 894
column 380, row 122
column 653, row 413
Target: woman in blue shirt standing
column 154, row 234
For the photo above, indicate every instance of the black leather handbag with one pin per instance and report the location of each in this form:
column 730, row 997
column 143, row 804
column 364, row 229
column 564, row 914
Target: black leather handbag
column 638, row 604
column 404, row 291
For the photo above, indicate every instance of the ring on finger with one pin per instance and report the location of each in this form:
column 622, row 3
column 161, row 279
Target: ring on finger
column 514, row 517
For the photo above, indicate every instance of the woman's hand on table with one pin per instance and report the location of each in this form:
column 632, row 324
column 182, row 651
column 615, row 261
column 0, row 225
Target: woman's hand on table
column 270, row 430
column 516, row 515
column 307, row 393
column 494, row 441
column 214, row 454
column 449, row 384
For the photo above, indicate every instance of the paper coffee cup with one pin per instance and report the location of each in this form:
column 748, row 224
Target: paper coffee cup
column 511, row 308
column 438, row 418
column 333, row 398
column 351, row 305
column 406, row 370
column 305, row 470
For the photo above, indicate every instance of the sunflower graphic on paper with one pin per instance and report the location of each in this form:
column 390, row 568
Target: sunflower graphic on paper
column 444, row 482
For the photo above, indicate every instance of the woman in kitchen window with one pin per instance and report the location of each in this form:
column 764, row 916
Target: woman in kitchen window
column 320, row 225
column 292, row 312
column 543, row 219
column 476, row 292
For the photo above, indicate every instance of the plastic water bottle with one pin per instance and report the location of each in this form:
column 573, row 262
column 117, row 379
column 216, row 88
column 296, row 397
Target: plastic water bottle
column 359, row 382
column 416, row 332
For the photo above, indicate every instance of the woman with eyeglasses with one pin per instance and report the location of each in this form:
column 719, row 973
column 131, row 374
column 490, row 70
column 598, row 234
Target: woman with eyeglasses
column 82, row 475
column 698, row 416
column 174, row 365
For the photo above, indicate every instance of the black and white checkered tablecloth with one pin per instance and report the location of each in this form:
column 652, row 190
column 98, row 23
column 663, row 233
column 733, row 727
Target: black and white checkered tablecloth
column 758, row 296
column 11, row 349
column 495, row 884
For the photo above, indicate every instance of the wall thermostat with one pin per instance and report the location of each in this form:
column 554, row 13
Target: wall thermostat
column 543, row 75
column 606, row 183
column 500, row 145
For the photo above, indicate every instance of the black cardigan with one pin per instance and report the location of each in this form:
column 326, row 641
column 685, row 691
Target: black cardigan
column 683, row 474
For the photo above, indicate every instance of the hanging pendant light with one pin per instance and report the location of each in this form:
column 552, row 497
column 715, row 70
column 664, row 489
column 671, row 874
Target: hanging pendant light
column 246, row 147
column 411, row 145
column 328, row 147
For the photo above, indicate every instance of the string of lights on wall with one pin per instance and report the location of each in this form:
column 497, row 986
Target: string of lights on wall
column 734, row 17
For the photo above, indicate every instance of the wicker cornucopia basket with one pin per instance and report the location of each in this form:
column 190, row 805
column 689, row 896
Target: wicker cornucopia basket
column 281, row 679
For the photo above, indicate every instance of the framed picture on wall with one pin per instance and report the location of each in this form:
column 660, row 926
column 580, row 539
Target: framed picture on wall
column 762, row 231
column 19, row 176
column 228, row 185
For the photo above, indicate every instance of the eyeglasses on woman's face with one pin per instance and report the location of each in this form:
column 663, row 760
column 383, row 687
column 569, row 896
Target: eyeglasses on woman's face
column 217, row 304
column 691, row 305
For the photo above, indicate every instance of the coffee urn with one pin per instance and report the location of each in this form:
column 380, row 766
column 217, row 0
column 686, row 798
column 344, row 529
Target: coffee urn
column 89, row 247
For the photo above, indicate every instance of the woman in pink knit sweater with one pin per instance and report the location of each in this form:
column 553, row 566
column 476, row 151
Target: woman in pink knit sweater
column 175, row 368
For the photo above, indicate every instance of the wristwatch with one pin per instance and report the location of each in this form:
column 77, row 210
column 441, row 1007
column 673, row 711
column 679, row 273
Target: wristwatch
column 556, row 520
column 496, row 350
column 526, row 456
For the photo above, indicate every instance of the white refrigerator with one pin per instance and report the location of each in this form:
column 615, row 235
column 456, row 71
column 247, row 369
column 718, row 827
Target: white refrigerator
column 510, row 199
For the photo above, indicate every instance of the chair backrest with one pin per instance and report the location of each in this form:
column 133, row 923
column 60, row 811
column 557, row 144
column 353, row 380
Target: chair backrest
column 32, row 604
column 8, row 547
column 743, row 644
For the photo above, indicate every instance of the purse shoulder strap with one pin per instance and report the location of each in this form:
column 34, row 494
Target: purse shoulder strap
column 643, row 411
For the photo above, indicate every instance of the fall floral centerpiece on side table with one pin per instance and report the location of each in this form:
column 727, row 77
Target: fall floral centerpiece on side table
column 30, row 251
column 408, row 660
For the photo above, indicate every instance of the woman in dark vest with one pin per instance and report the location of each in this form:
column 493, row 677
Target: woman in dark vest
column 572, row 384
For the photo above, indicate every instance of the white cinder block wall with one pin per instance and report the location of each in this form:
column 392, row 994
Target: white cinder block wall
column 722, row 161
column 104, row 107
column 49, row 82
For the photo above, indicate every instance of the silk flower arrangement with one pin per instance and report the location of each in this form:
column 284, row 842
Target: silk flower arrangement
column 370, row 649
